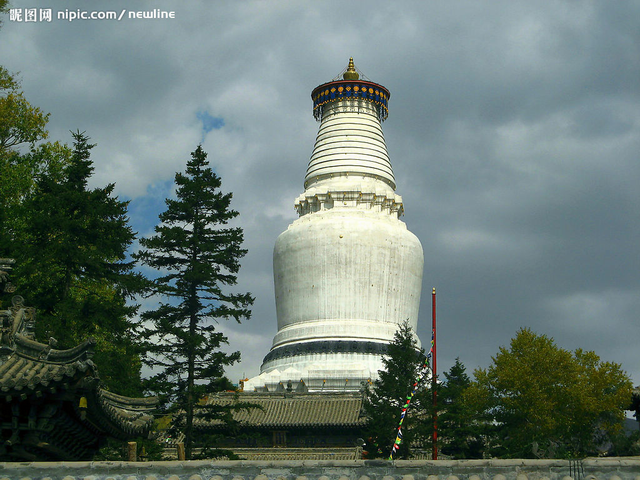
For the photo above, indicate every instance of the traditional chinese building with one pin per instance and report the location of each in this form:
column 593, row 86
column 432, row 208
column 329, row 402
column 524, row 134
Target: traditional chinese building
column 52, row 403
column 291, row 424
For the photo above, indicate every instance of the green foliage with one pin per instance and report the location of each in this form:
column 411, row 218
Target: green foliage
column 21, row 125
column 459, row 431
column 20, row 173
column 545, row 401
column 625, row 445
column 4, row 8
column 198, row 257
column 19, row 121
column 70, row 244
column 384, row 399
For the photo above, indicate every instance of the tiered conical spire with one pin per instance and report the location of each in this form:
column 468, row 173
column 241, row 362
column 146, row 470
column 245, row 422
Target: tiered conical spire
column 350, row 159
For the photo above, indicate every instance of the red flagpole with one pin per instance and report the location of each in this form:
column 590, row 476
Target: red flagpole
column 434, row 382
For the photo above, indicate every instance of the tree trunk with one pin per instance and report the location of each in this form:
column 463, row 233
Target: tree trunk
column 193, row 323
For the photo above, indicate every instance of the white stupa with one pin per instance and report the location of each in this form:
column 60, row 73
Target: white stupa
column 348, row 271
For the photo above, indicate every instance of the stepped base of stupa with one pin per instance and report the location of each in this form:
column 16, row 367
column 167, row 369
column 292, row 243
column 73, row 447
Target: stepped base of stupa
column 318, row 372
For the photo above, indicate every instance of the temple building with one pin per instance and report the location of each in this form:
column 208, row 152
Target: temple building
column 347, row 271
column 290, row 425
column 53, row 405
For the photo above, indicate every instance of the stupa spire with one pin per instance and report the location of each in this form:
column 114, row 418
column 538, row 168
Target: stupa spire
column 351, row 73
column 350, row 156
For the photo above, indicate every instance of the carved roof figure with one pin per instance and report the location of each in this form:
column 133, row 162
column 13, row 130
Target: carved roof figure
column 6, row 264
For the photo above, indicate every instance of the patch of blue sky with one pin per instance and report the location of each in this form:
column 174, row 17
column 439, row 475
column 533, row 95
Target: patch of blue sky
column 143, row 217
column 209, row 122
column 144, row 210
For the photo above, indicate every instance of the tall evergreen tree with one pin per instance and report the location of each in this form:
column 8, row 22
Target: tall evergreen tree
column 71, row 266
column 70, row 242
column 384, row 399
column 54, row 244
column 198, row 257
column 458, row 428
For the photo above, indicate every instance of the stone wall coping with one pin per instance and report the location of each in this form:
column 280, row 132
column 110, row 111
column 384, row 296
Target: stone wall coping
column 617, row 468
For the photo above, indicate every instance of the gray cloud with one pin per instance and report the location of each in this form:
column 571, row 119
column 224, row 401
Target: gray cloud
column 514, row 133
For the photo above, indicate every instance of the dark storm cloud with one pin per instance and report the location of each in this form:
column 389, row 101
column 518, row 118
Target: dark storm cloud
column 514, row 133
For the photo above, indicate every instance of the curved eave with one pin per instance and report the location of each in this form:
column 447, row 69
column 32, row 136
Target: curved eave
column 122, row 417
column 40, row 351
column 20, row 375
column 120, row 401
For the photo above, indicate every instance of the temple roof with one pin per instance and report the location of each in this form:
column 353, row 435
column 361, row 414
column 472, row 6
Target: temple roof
column 52, row 402
column 292, row 410
column 30, row 366
column 133, row 416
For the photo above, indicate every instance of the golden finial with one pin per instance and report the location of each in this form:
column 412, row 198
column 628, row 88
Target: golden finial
column 351, row 73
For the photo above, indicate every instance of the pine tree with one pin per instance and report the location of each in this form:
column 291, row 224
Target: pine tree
column 197, row 255
column 458, row 429
column 385, row 398
column 71, row 266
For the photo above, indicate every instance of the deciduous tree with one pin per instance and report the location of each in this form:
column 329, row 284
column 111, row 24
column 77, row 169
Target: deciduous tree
column 545, row 401
column 70, row 242
column 198, row 256
column 21, row 161
column 3, row 9
column 20, row 122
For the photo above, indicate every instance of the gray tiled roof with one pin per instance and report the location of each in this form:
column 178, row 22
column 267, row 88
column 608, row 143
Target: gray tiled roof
column 31, row 370
column 278, row 410
column 30, row 367
column 133, row 416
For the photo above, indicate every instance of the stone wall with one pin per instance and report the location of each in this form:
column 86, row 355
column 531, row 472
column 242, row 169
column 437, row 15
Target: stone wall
column 588, row 469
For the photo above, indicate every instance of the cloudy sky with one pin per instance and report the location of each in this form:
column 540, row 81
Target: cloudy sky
column 514, row 133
